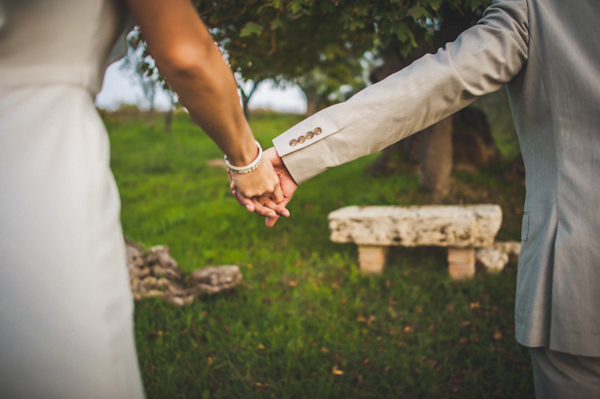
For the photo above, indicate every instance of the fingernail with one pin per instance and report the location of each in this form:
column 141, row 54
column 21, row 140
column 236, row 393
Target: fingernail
column 249, row 208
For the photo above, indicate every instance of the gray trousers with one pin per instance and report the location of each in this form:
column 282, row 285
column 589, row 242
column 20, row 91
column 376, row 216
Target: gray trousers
column 560, row 375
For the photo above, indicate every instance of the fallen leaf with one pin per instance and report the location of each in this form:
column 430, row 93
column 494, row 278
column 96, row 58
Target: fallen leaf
column 292, row 284
column 209, row 360
column 337, row 371
column 324, row 350
column 474, row 305
column 497, row 335
column 261, row 347
column 465, row 323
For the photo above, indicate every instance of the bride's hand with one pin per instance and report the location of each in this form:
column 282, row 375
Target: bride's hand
column 261, row 188
column 266, row 208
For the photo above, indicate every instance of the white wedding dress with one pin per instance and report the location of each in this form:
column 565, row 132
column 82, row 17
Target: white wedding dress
column 66, row 327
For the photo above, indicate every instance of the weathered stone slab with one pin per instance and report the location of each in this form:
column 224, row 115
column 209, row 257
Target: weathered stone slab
column 461, row 228
column 458, row 226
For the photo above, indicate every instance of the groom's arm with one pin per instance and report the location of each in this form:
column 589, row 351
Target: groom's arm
column 480, row 61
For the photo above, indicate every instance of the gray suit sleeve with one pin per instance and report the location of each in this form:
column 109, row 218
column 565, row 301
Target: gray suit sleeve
column 480, row 61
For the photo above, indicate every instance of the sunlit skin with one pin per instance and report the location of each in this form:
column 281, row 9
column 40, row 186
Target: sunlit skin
column 269, row 208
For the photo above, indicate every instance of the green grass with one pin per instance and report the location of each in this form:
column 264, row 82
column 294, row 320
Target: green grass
column 306, row 323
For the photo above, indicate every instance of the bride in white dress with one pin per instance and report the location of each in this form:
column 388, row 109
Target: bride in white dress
column 65, row 307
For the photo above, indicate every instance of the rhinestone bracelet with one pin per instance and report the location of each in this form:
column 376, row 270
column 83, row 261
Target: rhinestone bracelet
column 240, row 170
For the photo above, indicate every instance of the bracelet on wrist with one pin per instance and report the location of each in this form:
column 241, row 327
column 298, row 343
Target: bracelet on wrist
column 241, row 170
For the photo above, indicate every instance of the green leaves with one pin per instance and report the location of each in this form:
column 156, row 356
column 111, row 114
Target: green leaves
column 299, row 6
column 402, row 32
column 418, row 12
column 277, row 24
column 251, row 28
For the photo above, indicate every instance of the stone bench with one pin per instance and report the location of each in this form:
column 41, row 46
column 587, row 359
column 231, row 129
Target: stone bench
column 460, row 228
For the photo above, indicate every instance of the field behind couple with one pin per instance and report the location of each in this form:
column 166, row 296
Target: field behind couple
column 306, row 323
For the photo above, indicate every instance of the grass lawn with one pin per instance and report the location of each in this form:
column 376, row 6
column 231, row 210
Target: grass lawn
column 306, row 324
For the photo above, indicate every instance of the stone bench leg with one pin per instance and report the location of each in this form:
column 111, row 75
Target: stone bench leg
column 461, row 263
column 371, row 258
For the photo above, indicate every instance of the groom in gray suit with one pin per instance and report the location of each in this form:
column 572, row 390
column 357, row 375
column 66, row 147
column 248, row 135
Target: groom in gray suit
column 547, row 53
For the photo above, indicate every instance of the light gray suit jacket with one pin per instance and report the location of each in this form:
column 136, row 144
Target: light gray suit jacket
column 547, row 52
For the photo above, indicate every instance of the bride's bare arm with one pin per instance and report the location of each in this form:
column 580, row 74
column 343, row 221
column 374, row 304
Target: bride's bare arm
column 188, row 57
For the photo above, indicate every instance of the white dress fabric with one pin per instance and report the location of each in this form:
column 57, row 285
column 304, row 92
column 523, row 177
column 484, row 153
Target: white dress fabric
column 66, row 312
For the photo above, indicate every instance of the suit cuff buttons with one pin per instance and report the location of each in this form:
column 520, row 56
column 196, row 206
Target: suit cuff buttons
column 309, row 135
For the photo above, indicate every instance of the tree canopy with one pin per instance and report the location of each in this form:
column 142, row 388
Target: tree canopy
column 297, row 40
column 321, row 45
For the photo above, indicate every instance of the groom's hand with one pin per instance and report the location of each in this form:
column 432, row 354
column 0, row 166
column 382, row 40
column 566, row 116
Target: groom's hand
column 265, row 207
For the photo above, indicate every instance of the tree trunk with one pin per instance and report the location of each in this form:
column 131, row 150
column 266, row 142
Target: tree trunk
column 246, row 97
column 312, row 104
column 169, row 119
column 435, row 166
column 151, row 110
column 245, row 101
column 313, row 100
column 151, row 116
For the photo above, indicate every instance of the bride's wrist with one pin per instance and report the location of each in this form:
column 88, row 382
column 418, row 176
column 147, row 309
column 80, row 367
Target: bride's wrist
column 240, row 170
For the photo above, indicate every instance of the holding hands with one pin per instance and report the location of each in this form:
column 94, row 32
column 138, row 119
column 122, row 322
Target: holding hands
column 253, row 193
